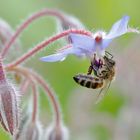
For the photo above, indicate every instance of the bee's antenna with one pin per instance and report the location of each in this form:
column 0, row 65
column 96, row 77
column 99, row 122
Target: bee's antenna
column 107, row 53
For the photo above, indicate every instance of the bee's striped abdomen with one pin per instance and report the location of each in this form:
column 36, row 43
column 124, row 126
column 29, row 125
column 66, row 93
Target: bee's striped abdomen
column 97, row 84
column 88, row 81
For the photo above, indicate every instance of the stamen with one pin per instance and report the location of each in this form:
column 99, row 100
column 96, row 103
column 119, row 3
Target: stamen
column 98, row 39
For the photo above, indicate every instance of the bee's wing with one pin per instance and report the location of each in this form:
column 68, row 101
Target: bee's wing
column 103, row 92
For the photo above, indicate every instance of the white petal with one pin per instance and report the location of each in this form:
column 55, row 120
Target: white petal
column 83, row 42
column 75, row 51
column 133, row 30
column 53, row 58
column 119, row 28
column 105, row 43
column 62, row 55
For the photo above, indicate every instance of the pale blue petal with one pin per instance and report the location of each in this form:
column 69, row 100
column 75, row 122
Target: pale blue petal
column 105, row 43
column 82, row 42
column 62, row 55
column 53, row 58
column 119, row 28
column 72, row 51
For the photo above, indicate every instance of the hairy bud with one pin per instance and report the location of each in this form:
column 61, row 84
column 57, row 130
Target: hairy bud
column 57, row 133
column 6, row 33
column 28, row 129
column 70, row 22
column 8, row 107
column 9, row 113
column 31, row 131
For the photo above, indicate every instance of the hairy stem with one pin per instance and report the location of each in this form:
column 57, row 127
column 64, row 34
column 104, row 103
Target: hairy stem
column 28, row 21
column 52, row 98
column 45, row 43
column 30, row 79
column 35, row 102
column 44, row 85
column 24, row 86
column 2, row 73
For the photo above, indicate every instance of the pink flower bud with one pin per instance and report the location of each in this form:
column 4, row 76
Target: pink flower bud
column 6, row 33
column 30, row 131
column 33, row 132
column 8, row 104
column 69, row 21
column 8, row 107
column 57, row 133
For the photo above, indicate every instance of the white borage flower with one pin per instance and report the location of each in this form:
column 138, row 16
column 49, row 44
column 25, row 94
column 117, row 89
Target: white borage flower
column 83, row 45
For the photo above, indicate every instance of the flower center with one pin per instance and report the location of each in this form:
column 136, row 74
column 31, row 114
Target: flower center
column 98, row 39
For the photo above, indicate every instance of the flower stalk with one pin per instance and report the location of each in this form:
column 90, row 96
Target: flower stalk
column 35, row 103
column 45, row 12
column 2, row 74
column 46, row 43
column 47, row 90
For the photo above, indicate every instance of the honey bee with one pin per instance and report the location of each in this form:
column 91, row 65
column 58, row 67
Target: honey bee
column 104, row 73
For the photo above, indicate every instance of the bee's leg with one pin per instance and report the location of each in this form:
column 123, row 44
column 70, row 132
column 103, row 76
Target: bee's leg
column 95, row 65
column 99, row 96
column 92, row 65
column 95, row 70
column 89, row 70
column 103, row 92
column 108, row 87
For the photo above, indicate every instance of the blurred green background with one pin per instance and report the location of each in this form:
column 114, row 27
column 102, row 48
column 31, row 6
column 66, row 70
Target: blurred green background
column 85, row 120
